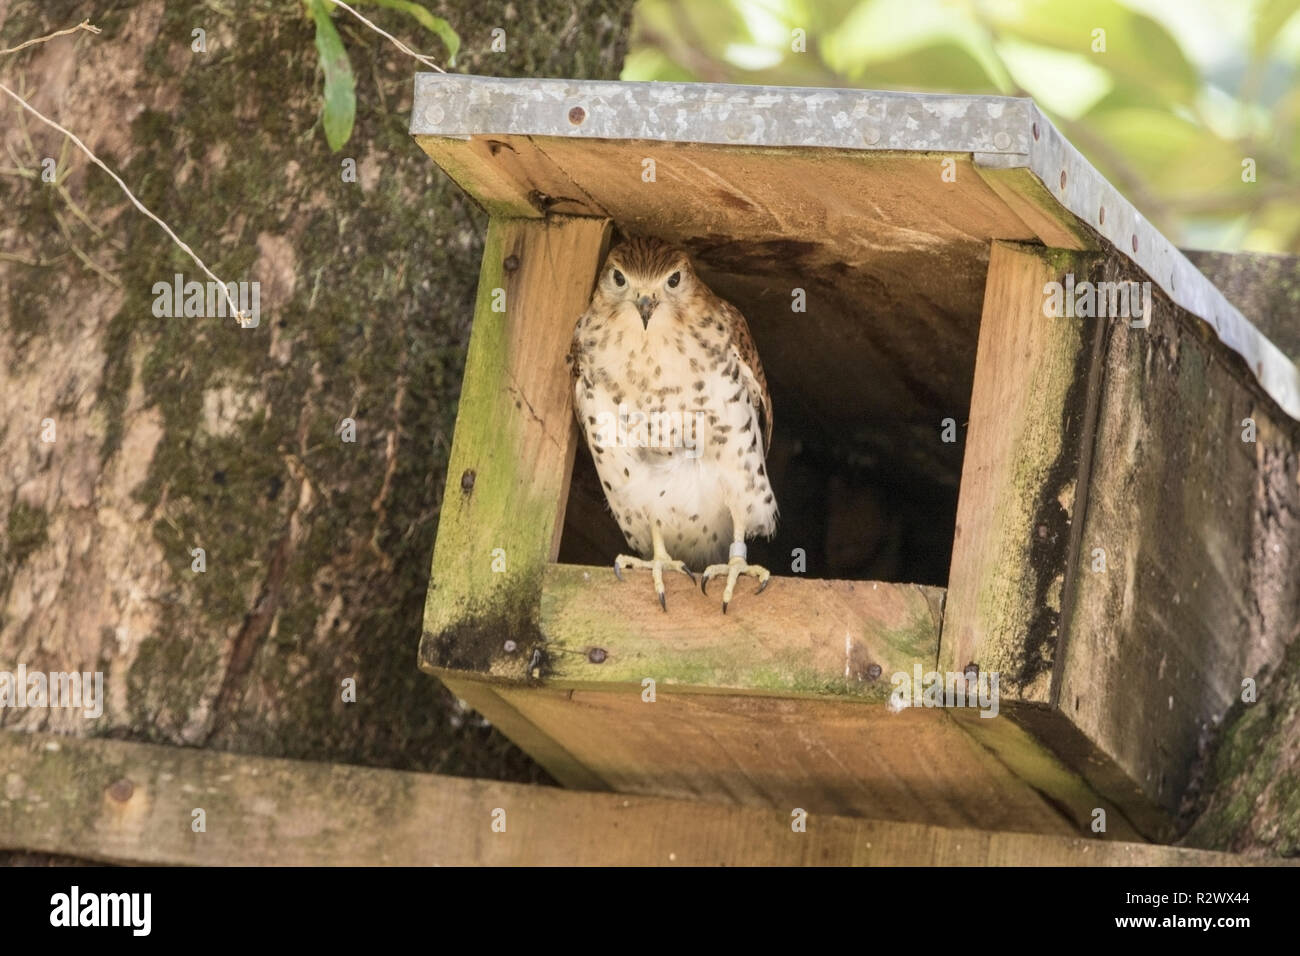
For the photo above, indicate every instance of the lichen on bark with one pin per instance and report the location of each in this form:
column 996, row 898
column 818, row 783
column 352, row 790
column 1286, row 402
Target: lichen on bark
column 185, row 433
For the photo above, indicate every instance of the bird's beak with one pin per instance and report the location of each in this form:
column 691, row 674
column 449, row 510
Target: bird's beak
column 646, row 305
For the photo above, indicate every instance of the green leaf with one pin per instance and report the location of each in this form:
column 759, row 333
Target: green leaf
column 340, row 87
column 1270, row 17
column 1139, row 50
column 450, row 38
column 914, row 44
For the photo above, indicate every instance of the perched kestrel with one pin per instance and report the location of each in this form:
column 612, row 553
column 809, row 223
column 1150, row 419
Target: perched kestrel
column 669, row 392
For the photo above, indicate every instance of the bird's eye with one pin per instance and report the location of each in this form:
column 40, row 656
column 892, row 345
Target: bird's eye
column 674, row 279
column 618, row 279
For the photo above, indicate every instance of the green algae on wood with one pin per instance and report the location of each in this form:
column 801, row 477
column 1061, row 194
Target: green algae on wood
column 799, row 637
column 511, row 458
column 1024, row 467
column 131, row 803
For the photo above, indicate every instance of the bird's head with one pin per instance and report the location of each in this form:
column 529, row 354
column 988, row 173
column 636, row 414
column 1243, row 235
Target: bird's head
column 647, row 273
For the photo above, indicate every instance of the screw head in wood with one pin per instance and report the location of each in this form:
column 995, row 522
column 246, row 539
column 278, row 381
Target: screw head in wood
column 511, row 647
column 121, row 790
column 511, row 263
column 874, row 672
column 467, row 480
column 577, row 115
column 596, row 655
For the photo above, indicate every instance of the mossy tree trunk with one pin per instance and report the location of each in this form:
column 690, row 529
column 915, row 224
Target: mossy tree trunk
column 179, row 433
column 1247, row 793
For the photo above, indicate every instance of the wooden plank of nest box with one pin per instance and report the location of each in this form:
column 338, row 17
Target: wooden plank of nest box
column 510, row 176
column 130, row 803
column 800, row 637
column 1029, row 199
column 846, row 756
column 1121, row 539
column 1036, row 182
column 786, row 697
column 1189, row 592
column 508, row 473
column 1025, row 447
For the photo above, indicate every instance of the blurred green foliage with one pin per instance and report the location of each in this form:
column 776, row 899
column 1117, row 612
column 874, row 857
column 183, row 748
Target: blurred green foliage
column 1175, row 101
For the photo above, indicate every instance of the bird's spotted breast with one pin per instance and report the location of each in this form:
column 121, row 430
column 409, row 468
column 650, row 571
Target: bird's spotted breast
column 672, row 428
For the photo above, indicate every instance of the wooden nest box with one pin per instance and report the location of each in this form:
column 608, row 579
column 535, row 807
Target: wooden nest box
column 1100, row 511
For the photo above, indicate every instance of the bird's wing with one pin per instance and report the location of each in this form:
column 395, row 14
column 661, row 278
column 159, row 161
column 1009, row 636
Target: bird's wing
column 574, row 361
column 751, row 369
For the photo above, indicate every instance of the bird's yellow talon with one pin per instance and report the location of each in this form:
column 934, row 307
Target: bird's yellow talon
column 656, row 567
column 677, row 366
column 733, row 569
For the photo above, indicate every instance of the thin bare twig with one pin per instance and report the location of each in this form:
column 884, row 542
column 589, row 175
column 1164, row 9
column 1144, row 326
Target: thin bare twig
column 86, row 25
column 83, row 25
column 398, row 43
column 225, row 291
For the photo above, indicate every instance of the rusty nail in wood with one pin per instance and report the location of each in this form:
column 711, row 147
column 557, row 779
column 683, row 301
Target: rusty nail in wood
column 121, row 790
column 467, row 480
column 874, row 672
column 577, row 115
column 596, row 655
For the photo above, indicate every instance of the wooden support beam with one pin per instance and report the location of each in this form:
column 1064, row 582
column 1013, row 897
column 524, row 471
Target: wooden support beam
column 512, row 455
column 1027, row 445
column 131, row 803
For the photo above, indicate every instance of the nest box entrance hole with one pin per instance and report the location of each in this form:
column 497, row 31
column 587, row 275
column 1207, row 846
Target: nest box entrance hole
column 870, row 376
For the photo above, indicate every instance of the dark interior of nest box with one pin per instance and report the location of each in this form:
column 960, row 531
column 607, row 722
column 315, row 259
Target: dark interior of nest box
column 892, row 260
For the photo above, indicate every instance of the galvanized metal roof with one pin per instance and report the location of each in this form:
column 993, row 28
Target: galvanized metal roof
column 1003, row 132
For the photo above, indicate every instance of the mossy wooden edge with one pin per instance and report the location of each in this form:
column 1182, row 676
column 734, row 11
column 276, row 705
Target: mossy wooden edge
column 1029, row 199
column 512, row 453
column 1032, row 412
column 799, row 637
column 123, row 802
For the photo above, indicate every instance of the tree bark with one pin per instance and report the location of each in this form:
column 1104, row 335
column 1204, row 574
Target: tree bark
column 173, row 434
